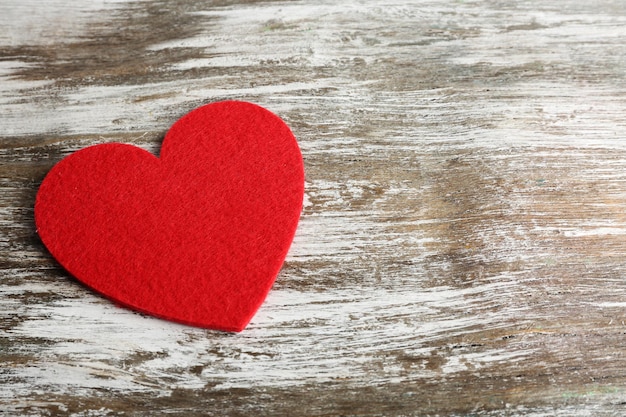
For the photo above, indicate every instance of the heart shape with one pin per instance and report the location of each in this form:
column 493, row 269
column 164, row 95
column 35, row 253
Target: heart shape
column 197, row 235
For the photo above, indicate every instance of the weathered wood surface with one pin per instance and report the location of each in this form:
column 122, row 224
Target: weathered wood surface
column 463, row 246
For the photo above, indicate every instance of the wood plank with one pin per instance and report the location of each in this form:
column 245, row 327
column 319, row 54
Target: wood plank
column 461, row 250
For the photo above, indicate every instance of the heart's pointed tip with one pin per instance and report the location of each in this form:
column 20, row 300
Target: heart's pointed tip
column 238, row 326
column 229, row 328
column 223, row 322
column 239, row 329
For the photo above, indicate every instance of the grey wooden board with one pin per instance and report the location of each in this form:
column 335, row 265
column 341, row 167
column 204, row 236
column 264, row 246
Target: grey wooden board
column 462, row 247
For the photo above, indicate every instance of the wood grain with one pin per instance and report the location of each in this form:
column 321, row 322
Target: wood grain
column 462, row 248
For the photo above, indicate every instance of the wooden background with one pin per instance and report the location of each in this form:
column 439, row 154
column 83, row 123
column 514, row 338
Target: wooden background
column 462, row 250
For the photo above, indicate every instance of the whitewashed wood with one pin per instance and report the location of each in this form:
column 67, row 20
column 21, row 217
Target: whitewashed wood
column 461, row 251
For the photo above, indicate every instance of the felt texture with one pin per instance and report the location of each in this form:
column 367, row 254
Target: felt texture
column 197, row 235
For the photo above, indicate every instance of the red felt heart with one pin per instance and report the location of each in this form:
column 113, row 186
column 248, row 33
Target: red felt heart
column 196, row 236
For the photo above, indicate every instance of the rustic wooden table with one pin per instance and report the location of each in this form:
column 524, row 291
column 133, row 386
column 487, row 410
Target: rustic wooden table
column 462, row 249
